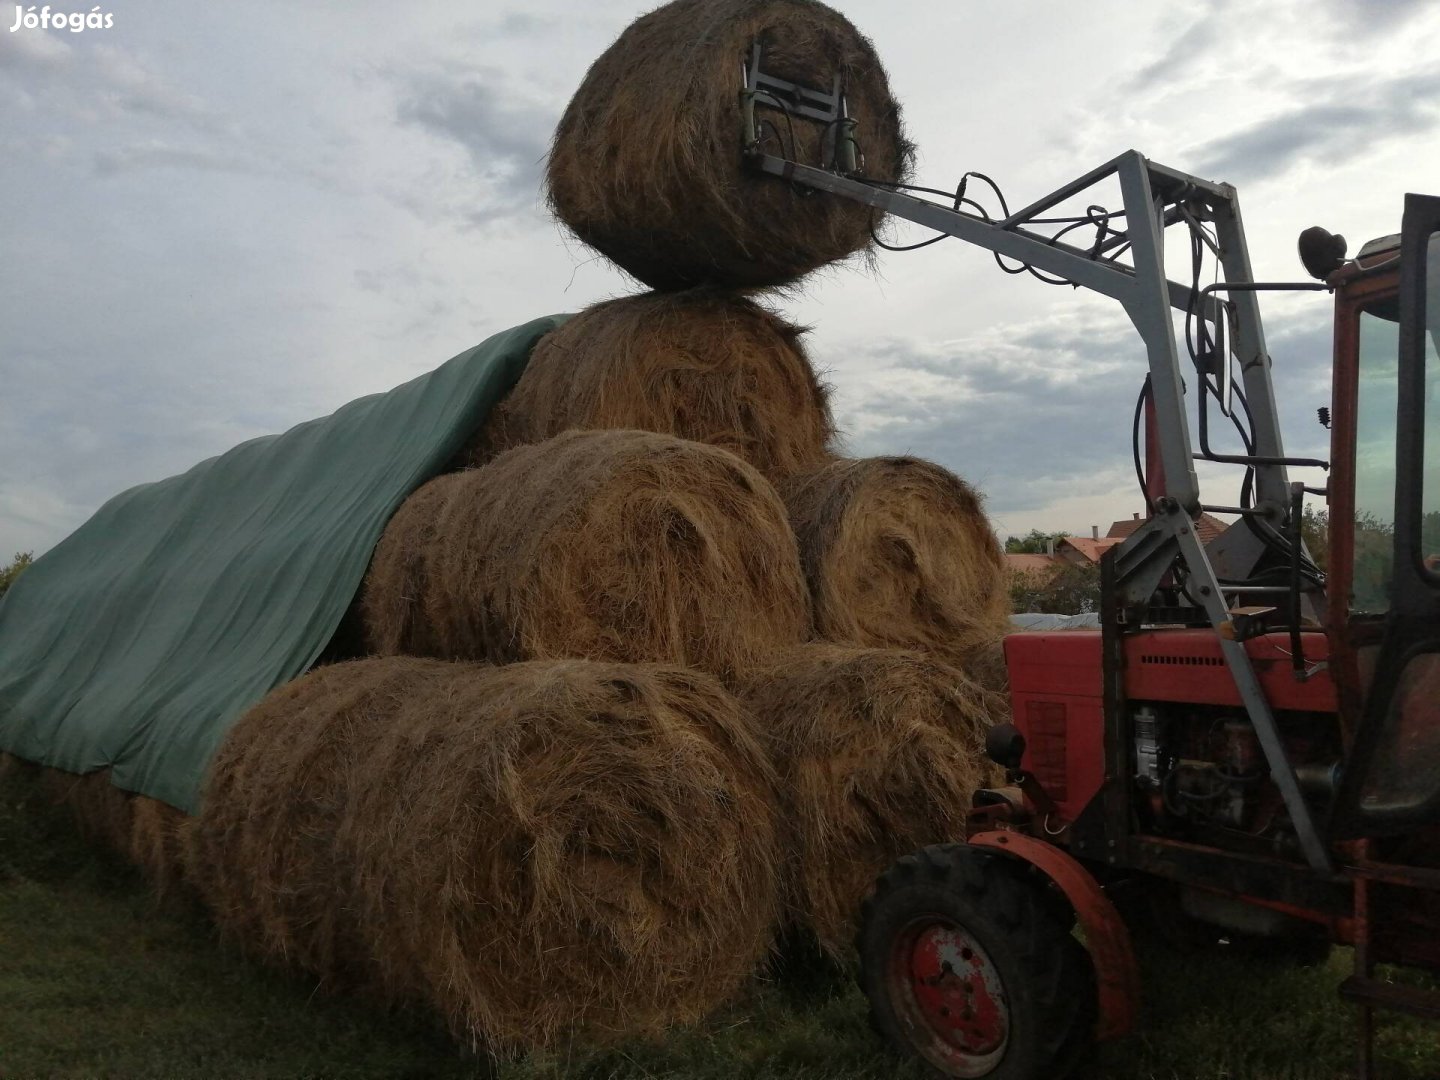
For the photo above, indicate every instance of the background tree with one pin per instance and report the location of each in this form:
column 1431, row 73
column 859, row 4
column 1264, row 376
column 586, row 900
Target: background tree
column 1072, row 590
column 1315, row 531
column 10, row 573
column 1034, row 542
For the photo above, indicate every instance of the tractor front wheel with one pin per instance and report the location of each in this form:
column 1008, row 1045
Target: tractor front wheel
column 967, row 967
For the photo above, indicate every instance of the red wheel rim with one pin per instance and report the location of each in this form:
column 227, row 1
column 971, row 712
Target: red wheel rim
column 948, row 994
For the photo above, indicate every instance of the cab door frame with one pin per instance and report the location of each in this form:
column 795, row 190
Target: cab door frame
column 1412, row 627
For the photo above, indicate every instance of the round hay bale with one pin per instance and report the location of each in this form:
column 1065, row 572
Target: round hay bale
column 539, row 851
column 608, row 545
column 102, row 812
column 348, row 640
column 984, row 662
column 137, row 827
column 898, row 554
column 704, row 365
column 646, row 165
column 261, row 852
column 156, row 842
column 879, row 752
column 392, row 600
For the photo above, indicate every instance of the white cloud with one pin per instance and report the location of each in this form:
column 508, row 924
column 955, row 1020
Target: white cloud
column 220, row 220
column 155, row 154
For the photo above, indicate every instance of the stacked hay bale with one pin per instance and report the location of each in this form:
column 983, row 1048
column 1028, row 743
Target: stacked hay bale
column 610, row 545
column 611, row 657
column 157, row 842
column 144, row 830
column 708, row 365
column 898, row 552
column 102, row 812
column 879, row 752
column 538, row 850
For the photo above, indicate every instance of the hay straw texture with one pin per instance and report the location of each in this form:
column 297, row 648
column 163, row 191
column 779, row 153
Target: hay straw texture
column 605, row 545
column 879, row 752
column 540, row 850
column 157, row 843
column 392, row 600
column 984, row 662
column 143, row 830
column 646, row 162
column 898, row 553
column 102, row 812
column 709, row 366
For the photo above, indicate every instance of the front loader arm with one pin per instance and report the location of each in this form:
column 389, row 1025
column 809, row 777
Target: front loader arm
column 1155, row 197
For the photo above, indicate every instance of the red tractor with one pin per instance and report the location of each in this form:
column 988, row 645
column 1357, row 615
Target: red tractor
column 1247, row 742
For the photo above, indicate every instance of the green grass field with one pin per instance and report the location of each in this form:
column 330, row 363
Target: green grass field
column 99, row 979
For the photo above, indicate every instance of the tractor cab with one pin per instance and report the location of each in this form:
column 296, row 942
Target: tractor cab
column 1384, row 629
column 1385, row 529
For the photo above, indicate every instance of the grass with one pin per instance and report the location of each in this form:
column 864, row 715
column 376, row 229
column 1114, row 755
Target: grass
column 98, row 979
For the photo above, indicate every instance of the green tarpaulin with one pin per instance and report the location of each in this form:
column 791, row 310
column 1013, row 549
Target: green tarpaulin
column 138, row 640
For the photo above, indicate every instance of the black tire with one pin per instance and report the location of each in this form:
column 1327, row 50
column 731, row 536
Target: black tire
column 1024, row 1009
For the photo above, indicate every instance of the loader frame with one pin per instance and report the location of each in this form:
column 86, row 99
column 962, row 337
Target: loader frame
column 1102, row 830
column 1155, row 198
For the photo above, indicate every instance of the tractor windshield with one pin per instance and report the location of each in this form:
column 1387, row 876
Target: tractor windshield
column 1404, row 774
column 1376, row 400
column 1375, row 446
column 1430, row 474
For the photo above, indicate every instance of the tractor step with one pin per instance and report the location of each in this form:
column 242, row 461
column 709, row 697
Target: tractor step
column 1407, row 999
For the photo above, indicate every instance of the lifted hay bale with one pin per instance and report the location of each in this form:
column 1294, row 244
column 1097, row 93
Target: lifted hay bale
column 879, row 752
column 898, row 554
column 705, row 365
column 608, row 545
column 646, row 163
column 539, row 851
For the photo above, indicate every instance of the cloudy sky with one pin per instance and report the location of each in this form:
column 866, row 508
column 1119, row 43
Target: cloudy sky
column 219, row 220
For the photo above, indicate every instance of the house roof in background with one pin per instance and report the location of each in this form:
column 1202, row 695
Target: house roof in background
column 1091, row 549
column 1033, row 564
column 1208, row 526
